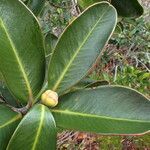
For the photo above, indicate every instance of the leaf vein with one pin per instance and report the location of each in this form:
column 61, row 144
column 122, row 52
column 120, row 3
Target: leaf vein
column 96, row 116
column 10, row 121
column 39, row 128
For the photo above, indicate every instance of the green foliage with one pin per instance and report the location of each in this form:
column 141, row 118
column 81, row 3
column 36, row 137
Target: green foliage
column 20, row 51
column 102, row 111
column 129, row 42
column 126, row 60
column 82, row 49
column 128, row 8
column 8, row 122
column 37, row 130
column 125, row 8
column 36, row 6
column 89, row 83
column 127, row 76
column 130, row 76
column 50, row 43
column 117, row 142
column 6, row 96
column 106, row 109
column 134, row 32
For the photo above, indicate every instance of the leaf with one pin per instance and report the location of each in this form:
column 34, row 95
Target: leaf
column 1, row 77
column 97, row 83
column 36, row 6
column 90, row 83
column 80, row 45
column 128, row 8
column 105, row 110
column 125, row 8
column 25, row 1
column 21, row 50
column 8, row 122
column 118, row 30
column 9, row 99
column 86, row 3
column 36, row 131
column 50, row 43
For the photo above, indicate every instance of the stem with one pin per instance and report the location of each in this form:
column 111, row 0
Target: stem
column 2, row 100
column 116, row 71
column 42, row 91
column 23, row 110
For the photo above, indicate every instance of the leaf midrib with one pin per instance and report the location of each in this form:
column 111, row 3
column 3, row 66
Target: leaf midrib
column 10, row 121
column 76, row 52
column 94, row 115
column 18, row 60
column 39, row 128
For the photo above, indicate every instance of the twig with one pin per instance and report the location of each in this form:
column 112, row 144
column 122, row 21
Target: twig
column 142, row 64
column 66, row 137
column 2, row 99
column 129, row 50
column 116, row 71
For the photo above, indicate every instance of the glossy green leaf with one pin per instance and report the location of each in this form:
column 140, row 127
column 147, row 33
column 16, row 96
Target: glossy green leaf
column 128, row 8
column 7, row 96
column 90, row 83
column 36, row 131
column 125, row 8
column 105, row 110
column 80, row 45
column 21, row 50
column 8, row 122
column 50, row 43
column 36, row 6
column 86, row 3
column 1, row 77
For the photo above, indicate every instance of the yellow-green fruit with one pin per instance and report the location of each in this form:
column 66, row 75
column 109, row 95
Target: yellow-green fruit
column 49, row 98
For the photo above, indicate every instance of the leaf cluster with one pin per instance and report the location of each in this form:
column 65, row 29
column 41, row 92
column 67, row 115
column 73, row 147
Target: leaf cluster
column 26, row 122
